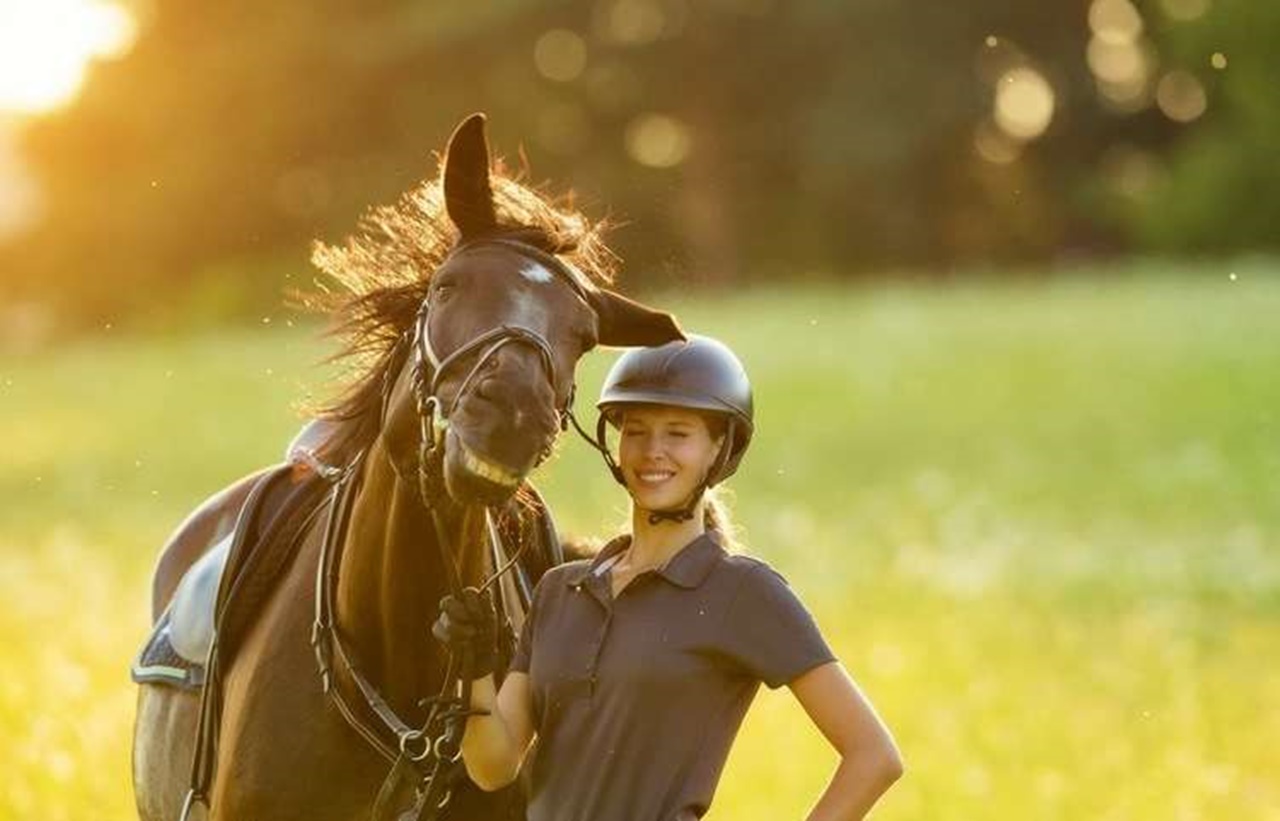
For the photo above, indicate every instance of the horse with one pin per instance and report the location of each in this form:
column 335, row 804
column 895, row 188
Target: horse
column 468, row 305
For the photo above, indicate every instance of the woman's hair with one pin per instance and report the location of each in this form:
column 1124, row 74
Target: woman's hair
column 715, row 516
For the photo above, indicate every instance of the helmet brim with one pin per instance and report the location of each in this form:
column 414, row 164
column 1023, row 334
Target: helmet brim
column 622, row 398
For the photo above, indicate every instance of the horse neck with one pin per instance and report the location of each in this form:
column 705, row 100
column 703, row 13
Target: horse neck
column 391, row 579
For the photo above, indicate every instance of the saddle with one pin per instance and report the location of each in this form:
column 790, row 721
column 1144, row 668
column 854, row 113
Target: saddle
column 218, row 598
column 243, row 567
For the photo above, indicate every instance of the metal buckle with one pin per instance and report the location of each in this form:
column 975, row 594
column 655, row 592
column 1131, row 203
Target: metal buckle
column 445, row 749
column 408, row 739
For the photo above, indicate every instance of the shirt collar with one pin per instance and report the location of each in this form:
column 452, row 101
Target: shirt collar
column 688, row 568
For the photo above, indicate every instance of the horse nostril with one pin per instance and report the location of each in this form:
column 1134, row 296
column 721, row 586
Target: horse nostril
column 487, row 389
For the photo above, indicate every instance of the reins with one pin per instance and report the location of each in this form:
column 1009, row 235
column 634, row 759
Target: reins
column 421, row 755
column 418, row 755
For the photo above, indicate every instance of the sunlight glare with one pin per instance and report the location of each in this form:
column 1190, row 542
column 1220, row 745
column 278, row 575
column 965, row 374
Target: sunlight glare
column 46, row 48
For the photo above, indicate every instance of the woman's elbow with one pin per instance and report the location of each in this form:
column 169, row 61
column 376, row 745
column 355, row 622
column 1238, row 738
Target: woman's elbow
column 880, row 764
column 887, row 765
column 892, row 768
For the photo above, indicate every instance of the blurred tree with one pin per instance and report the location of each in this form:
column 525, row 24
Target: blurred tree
column 727, row 137
column 1216, row 186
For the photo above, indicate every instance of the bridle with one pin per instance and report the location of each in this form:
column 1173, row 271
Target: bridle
column 430, row 369
column 421, row 756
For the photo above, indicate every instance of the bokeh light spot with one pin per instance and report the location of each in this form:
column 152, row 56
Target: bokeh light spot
column 995, row 146
column 1126, row 98
column 634, row 22
column 1218, row 60
column 1024, row 103
column 560, row 55
column 1115, row 21
column 1118, row 63
column 1181, row 97
column 1185, row 10
column 657, row 140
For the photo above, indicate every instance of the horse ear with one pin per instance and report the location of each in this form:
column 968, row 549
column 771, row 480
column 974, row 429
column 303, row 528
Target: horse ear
column 467, row 195
column 624, row 323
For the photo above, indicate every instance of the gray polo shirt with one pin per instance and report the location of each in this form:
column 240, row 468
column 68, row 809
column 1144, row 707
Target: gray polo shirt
column 636, row 700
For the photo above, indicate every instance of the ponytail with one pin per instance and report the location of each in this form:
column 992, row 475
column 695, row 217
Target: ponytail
column 715, row 516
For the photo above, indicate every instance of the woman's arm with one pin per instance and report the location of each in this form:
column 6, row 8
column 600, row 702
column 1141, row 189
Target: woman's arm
column 869, row 759
column 495, row 745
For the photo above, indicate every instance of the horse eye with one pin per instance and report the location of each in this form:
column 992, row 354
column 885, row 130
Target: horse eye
column 442, row 292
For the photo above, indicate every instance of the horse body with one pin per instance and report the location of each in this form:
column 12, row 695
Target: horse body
column 281, row 738
column 498, row 355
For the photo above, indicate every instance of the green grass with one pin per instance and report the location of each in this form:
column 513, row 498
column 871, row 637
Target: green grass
column 1039, row 522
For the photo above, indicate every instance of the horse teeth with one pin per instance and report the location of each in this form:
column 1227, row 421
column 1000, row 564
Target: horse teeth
column 488, row 470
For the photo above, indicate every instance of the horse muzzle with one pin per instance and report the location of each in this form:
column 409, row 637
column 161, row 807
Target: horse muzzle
column 474, row 477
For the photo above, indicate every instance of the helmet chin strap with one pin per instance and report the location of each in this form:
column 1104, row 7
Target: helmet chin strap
column 678, row 515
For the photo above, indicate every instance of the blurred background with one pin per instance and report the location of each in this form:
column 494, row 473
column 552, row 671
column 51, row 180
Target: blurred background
column 1004, row 274
column 160, row 154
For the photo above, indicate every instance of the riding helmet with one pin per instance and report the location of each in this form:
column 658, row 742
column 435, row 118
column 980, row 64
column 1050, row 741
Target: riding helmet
column 699, row 373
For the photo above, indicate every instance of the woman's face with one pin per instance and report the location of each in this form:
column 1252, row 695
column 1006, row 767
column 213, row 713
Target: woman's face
column 665, row 454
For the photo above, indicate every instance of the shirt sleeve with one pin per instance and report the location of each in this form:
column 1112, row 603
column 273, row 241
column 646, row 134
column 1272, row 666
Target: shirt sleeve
column 770, row 633
column 524, row 646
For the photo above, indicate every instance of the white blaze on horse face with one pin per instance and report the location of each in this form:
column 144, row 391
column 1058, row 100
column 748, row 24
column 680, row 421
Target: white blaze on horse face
column 529, row 306
column 536, row 273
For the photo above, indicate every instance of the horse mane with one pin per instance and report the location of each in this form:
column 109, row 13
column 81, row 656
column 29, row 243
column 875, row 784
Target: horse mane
column 378, row 277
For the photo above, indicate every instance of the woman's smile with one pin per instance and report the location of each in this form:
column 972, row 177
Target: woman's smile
column 655, row 477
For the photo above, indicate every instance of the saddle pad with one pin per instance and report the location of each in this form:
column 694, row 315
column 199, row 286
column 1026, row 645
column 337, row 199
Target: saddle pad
column 159, row 663
column 191, row 611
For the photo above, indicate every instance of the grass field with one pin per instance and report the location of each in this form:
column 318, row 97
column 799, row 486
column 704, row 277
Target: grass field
column 1039, row 521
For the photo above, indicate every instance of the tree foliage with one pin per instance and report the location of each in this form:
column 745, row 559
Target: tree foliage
column 728, row 138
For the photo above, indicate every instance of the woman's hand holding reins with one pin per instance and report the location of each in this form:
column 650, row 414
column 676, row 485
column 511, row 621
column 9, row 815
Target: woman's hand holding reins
column 468, row 626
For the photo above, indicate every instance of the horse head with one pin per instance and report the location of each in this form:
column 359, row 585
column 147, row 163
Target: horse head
column 487, row 382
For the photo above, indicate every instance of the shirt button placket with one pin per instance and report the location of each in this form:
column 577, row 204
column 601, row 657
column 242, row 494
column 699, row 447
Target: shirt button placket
column 593, row 674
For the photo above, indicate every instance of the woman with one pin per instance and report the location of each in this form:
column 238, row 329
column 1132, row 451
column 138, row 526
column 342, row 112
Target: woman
column 635, row 668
